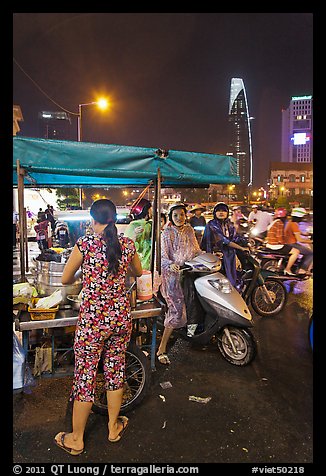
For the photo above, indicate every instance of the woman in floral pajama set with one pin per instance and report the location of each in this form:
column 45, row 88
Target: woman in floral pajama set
column 104, row 323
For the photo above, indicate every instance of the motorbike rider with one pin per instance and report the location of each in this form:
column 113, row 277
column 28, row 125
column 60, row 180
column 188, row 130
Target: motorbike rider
column 179, row 244
column 294, row 238
column 140, row 230
column 236, row 217
column 276, row 239
column 220, row 236
column 261, row 219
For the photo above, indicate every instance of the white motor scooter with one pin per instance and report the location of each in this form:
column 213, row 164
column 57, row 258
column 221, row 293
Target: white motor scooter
column 218, row 309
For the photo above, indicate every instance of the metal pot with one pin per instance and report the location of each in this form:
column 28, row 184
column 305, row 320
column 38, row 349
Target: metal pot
column 47, row 279
column 49, row 267
column 74, row 301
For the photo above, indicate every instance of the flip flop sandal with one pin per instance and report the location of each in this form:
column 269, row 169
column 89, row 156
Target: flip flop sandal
column 163, row 359
column 71, row 451
column 124, row 420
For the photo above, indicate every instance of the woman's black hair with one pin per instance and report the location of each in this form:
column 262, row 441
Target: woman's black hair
column 164, row 217
column 296, row 219
column 104, row 212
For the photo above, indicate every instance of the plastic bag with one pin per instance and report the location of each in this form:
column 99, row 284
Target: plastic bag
column 22, row 375
column 43, row 360
column 49, row 301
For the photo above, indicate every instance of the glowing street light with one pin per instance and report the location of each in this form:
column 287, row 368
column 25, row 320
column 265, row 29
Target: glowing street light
column 102, row 103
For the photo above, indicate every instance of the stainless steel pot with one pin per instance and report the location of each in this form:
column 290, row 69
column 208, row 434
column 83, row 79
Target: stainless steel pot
column 49, row 267
column 47, row 279
column 74, row 301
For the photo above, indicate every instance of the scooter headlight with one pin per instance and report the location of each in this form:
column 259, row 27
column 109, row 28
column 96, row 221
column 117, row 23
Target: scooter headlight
column 221, row 284
column 254, row 231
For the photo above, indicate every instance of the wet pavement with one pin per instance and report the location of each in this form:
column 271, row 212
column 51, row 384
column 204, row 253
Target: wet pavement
column 262, row 413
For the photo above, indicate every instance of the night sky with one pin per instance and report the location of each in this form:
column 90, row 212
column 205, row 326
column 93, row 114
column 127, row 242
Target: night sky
column 167, row 75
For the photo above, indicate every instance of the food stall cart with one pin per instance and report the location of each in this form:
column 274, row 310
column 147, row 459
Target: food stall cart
column 55, row 163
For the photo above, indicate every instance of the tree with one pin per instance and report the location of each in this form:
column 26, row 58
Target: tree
column 282, row 202
column 69, row 198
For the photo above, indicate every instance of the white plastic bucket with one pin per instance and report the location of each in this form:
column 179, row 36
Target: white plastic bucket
column 144, row 286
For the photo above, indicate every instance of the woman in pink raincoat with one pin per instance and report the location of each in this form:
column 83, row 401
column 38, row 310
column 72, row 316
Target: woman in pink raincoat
column 179, row 244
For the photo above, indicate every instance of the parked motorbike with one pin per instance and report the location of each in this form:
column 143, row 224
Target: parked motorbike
column 262, row 288
column 220, row 310
column 61, row 233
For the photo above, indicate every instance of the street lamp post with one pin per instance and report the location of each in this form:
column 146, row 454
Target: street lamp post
column 79, row 118
column 103, row 104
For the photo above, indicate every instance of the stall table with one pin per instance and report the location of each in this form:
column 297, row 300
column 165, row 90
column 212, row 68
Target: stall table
column 67, row 317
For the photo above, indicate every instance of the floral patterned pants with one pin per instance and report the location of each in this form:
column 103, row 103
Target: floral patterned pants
column 93, row 340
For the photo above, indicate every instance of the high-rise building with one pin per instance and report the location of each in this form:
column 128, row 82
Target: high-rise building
column 240, row 144
column 54, row 125
column 297, row 130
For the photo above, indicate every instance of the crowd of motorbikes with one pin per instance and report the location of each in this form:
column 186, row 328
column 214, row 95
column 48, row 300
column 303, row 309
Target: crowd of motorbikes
column 224, row 315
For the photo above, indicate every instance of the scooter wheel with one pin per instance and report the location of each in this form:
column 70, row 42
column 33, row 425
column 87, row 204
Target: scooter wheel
column 271, row 304
column 138, row 376
column 243, row 350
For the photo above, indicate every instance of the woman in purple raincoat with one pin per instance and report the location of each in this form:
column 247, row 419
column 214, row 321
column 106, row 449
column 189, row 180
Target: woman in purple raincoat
column 179, row 244
column 220, row 235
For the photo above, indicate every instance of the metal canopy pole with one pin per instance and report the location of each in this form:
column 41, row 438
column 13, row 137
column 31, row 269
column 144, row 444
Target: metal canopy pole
column 158, row 229
column 22, row 222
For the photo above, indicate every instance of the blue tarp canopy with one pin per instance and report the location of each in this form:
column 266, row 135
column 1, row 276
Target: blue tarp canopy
column 57, row 163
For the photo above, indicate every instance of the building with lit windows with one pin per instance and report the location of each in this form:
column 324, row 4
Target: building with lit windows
column 290, row 179
column 54, row 125
column 297, row 130
column 240, row 143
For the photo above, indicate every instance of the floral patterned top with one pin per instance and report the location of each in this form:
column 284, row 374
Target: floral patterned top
column 103, row 294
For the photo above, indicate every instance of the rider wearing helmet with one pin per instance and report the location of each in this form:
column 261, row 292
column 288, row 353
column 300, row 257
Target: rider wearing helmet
column 141, row 209
column 220, row 236
column 261, row 219
column 276, row 239
column 236, row 217
column 176, row 206
column 179, row 245
column 140, row 230
column 293, row 237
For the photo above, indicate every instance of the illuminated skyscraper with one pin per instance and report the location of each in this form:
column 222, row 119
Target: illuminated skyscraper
column 240, row 144
column 54, row 125
column 297, row 130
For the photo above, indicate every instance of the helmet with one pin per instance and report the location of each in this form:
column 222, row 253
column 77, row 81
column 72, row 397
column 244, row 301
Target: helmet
column 298, row 212
column 280, row 212
column 254, row 206
column 174, row 206
column 140, row 209
column 220, row 206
